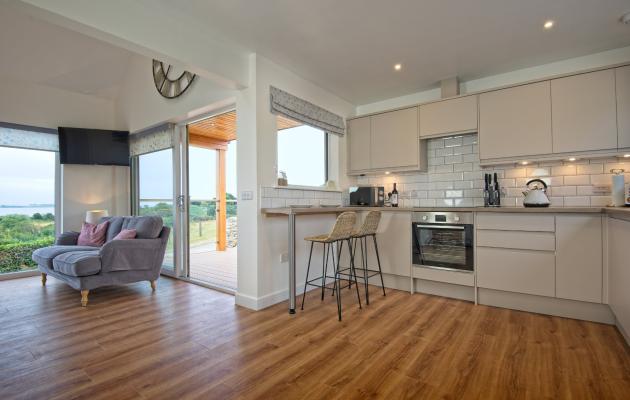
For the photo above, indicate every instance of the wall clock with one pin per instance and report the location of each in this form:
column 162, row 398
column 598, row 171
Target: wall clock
column 170, row 87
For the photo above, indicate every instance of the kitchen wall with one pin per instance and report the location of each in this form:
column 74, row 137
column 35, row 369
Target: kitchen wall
column 455, row 178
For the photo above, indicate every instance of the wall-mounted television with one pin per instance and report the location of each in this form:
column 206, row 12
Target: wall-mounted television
column 93, row 146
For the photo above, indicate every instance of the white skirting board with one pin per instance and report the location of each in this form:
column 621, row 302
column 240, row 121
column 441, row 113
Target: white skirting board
column 547, row 305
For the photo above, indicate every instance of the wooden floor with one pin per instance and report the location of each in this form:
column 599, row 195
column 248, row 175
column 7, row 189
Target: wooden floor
column 185, row 341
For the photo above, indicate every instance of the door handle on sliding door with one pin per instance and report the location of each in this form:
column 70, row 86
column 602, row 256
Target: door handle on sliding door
column 180, row 201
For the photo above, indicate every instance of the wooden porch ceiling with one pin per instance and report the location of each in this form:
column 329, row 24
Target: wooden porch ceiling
column 222, row 128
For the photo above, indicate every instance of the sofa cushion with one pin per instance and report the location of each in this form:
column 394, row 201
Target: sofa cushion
column 93, row 235
column 126, row 234
column 78, row 263
column 45, row 255
column 147, row 227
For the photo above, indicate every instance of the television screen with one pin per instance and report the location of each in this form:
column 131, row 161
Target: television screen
column 93, row 147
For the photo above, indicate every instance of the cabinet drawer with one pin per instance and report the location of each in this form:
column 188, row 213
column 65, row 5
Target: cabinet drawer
column 517, row 240
column 441, row 275
column 521, row 271
column 516, row 222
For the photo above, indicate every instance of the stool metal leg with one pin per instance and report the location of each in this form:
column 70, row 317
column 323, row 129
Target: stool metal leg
column 324, row 269
column 354, row 272
column 308, row 268
column 364, row 253
column 337, row 285
column 378, row 259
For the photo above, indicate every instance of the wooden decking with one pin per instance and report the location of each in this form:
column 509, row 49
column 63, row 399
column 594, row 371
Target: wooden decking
column 185, row 341
column 215, row 267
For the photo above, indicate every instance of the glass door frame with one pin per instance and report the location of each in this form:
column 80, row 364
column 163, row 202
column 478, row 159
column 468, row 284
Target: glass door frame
column 181, row 195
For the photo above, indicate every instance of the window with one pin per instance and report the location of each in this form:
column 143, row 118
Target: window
column 27, row 205
column 302, row 153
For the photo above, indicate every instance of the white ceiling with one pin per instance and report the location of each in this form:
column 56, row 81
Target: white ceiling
column 42, row 53
column 350, row 46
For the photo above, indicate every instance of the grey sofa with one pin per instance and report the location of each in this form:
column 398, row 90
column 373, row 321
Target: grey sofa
column 117, row 262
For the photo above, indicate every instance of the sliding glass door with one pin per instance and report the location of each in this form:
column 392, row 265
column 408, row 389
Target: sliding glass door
column 155, row 188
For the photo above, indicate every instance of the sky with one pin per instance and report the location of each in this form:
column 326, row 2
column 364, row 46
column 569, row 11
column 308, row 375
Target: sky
column 26, row 176
column 301, row 154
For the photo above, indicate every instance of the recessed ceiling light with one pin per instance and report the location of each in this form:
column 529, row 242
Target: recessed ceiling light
column 572, row 158
column 524, row 162
column 549, row 24
column 398, row 67
column 387, row 172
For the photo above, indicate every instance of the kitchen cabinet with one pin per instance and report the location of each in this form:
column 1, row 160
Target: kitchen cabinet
column 584, row 112
column 619, row 271
column 516, row 222
column 579, row 257
column 358, row 142
column 522, row 271
column 451, row 116
column 622, row 80
column 515, row 122
column 394, row 140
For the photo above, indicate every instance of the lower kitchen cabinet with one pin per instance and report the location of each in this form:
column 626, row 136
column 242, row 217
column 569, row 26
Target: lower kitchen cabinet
column 619, row 271
column 579, row 257
column 522, row 271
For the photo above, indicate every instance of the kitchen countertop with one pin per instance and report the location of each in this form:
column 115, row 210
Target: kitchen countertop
column 329, row 210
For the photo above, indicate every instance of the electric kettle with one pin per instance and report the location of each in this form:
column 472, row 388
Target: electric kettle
column 535, row 196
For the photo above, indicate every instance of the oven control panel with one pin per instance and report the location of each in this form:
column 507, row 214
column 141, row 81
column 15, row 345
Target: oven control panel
column 464, row 218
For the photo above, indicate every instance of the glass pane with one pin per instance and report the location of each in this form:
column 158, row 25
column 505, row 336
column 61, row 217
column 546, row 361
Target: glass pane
column 302, row 155
column 27, row 206
column 155, row 184
column 231, row 195
column 443, row 247
column 202, row 185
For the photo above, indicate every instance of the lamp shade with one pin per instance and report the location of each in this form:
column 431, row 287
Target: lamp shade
column 92, row 216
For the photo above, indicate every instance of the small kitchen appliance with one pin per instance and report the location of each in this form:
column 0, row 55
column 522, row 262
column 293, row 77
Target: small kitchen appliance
column 367, row 196
column 535, row 195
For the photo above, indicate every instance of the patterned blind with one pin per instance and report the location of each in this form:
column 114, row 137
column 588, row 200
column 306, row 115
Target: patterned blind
column 28, row 137
column 283, row 103
column 151, row 140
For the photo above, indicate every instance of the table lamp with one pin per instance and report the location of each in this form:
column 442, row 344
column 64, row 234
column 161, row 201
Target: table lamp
column 93, row 216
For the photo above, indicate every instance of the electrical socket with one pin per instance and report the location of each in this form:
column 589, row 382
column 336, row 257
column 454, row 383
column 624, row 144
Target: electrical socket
column 247, row 195
column 284, row 257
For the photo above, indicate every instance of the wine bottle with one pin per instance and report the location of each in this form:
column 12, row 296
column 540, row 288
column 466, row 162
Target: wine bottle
column 395, row 197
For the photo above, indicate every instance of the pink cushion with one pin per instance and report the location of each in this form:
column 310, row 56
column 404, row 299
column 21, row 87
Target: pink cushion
column 125, row 234
column 93, row 235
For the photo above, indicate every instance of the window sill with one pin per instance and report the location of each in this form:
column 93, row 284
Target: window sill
column 312, row 188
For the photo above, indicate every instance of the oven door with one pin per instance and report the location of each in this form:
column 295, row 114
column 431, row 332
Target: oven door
column 443, row 246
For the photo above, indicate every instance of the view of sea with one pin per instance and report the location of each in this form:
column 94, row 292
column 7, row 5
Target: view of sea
column 26, row 210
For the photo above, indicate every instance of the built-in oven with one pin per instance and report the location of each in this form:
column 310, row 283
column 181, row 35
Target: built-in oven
column 443, row 240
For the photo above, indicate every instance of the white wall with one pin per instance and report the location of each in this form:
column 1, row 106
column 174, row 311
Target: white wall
column 602, row 59
column 264, row 280
column 83, row 187
column 140, row 105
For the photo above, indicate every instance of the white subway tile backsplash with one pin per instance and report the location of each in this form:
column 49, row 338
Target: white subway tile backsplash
column 577, row 180
column 577, row 201
column 455, row 178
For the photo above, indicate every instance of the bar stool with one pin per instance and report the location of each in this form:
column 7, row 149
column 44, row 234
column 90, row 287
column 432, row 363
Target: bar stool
column 367, row 229
column 341, row 232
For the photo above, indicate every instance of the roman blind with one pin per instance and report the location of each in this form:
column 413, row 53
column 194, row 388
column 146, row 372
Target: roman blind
column 283, row 103
column 150, row 140
column 28, row 137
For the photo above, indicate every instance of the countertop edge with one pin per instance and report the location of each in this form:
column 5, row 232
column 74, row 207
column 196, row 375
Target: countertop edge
column 533, row 210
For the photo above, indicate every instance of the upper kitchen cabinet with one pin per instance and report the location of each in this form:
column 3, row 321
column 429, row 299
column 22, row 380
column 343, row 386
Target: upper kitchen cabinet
column 395, row 143
column 515, row 122
column 623, row 105
column 358, row 142
column 584, row 112
column 451, row 116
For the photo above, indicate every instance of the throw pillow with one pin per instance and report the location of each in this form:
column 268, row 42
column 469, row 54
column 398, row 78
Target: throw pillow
column 126, row 234
column 93, row 235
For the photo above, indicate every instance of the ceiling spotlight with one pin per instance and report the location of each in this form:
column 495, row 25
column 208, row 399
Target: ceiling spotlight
column 572, row 158
column 387, row 172
column 548, row 24
column 626, row 156
column 398, row 67
column 524, row 162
